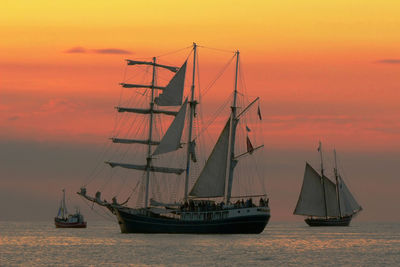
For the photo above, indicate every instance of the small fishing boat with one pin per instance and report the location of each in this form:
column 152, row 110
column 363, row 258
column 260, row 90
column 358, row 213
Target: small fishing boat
column 65, row 220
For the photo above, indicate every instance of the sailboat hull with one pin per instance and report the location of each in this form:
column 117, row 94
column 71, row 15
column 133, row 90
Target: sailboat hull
column 343, row 221
column 135, row 223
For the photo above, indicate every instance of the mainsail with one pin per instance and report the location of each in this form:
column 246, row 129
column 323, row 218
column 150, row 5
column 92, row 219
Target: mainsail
column 211, row 182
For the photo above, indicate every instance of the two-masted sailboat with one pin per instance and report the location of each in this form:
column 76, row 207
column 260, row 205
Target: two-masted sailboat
column 66, row 220
column 208, row 206
column 326, row 203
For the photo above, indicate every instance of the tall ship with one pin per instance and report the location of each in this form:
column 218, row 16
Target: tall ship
column 323, row 201
column 66, row 220
column 178, row 191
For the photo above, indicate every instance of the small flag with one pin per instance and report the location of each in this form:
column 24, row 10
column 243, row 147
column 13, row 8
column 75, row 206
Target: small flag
column 248, row 129
column 250, row 148
column 259, row 113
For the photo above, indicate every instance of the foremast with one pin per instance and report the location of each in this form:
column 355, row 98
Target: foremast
column 171, row 96
column 149, row 159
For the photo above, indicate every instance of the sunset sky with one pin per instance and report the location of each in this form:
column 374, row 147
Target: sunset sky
column 326, row 71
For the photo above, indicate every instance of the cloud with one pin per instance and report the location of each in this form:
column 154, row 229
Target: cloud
column 77, row 49
column 293, row 119
column 388, row 61
column 111, row 51
column 14, row 118
column 386, row 130
column 59, row 105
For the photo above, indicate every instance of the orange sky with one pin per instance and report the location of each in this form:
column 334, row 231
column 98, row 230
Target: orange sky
column 324, row 70
column 312, row 63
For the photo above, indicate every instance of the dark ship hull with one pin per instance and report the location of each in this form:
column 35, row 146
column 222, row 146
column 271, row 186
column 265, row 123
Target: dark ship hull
column 137, row 223
column 340, row 221
column 60, row 223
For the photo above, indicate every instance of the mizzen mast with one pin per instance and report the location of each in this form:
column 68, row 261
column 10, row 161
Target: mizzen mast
column 337, row 183
column 322, row 177
column 232, row 134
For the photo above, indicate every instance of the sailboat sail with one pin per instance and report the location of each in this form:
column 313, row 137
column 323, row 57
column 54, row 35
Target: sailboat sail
column 348, row 203
column 332, row 207
column 172, row 138
column 61, row 210
column 172, row 94
column 311, row 199
column 211, row 182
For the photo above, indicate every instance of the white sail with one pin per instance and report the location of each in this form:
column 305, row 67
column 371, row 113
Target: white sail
column 211, row 182
column 172, row 138
column 311, row 199
column 332, row 206
column 348, row 204
column 172, row 94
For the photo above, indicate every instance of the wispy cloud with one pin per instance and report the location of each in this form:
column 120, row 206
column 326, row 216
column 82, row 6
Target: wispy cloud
column 77, row 49
column 111, row 51
column 388, row 61
column 82, row 50
column 59, row 105
column 14, row 118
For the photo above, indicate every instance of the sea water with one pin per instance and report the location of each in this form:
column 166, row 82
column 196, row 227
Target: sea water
column 281, row 244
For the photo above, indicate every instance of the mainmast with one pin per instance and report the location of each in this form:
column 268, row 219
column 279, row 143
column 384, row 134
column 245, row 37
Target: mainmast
column 232, row 134
column 322, row 177
column 337, row 183
column 150, row 134
column 193, row 103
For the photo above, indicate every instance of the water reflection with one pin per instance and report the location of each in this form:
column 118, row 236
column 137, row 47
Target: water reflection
column 102, row 244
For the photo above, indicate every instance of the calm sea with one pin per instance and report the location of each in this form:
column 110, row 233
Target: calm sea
column 281, row 244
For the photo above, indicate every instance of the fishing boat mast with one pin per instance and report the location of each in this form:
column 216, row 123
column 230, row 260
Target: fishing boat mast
column 64, row 207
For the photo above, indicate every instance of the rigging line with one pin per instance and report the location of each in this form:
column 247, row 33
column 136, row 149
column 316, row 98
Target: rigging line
column 119, row 100
column 120, row 121
column 106, row 147
column 214, row 117
column 141, row 70
column 173, row 52
column 134, row 118
column 123, row 186
column 207, row 89
column 108, row 216
column 199, row 95
column 217, row 49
